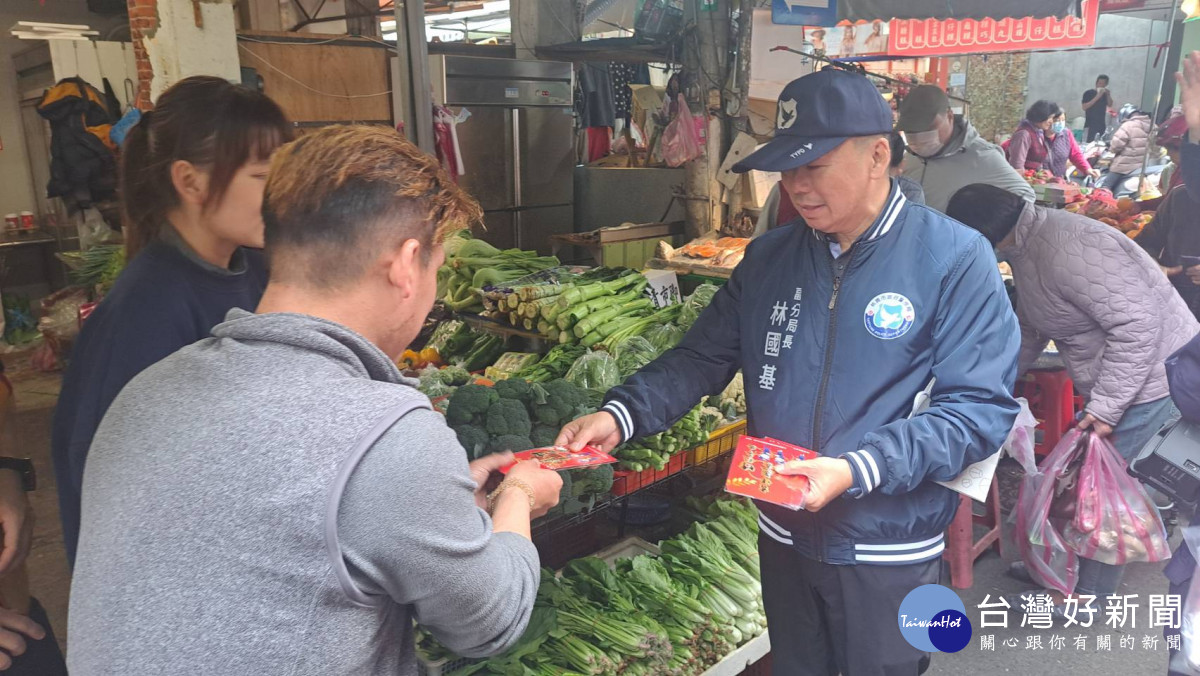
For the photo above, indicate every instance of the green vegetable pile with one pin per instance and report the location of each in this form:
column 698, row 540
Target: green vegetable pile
column 554, row 365
column 669, row 615
column 695, row 304
column 514, row 415
column 732, row 401
column 457, row 343
column 435, row 382
column 97, row 267
column 472, row 264
column 595, row 371
column 656, row 451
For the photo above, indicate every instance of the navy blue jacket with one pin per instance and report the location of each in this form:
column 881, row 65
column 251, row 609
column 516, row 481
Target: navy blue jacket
column 163, row 301
column 834, row 352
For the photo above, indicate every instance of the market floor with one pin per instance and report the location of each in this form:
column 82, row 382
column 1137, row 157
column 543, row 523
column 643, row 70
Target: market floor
column 49, row 576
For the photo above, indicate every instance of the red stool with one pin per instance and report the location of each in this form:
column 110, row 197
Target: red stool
column 961, row 546
column 1051, row 396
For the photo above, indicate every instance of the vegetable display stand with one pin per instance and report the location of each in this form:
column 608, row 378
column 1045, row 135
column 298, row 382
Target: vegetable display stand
column 722, row 440
column 740, row 660
column 519, row 339
column 568, row 543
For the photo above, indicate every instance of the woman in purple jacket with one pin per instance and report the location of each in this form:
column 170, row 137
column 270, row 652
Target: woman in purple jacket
column 1107, row 306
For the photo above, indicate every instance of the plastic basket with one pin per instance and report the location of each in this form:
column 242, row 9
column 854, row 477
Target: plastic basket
column 723, row 440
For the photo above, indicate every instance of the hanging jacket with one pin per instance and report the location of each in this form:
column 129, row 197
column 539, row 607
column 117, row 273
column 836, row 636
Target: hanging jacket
column 1103, row 301
column 966, row 159
column 834, row 352
column 83, row 166
column 1129, row 144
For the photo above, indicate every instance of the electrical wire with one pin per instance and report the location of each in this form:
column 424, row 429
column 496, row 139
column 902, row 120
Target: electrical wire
column 314, row 90
column 247, row 38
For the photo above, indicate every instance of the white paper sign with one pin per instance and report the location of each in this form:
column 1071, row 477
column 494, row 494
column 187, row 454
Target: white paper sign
column 663, row 287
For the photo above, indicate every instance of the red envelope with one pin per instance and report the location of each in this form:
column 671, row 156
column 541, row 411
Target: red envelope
column 560, row 458
column 752, row 473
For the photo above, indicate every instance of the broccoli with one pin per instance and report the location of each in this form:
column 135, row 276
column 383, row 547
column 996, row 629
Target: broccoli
column 513, row 388
column 543, row 436
column 510, row 442
column 508, row 416
column 455, row 375
column 470, row 403
column 472, row 438
column 593, row 480
column 563, row 400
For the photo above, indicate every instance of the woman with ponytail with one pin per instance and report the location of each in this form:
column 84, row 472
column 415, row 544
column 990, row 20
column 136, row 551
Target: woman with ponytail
column 192, row 177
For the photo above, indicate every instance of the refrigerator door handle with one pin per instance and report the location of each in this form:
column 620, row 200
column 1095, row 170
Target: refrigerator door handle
column 516, row 156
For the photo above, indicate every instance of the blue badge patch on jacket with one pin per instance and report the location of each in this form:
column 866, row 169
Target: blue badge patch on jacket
column 889, row 316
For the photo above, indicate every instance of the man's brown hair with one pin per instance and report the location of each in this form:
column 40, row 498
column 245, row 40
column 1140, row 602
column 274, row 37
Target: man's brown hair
column 338, row 196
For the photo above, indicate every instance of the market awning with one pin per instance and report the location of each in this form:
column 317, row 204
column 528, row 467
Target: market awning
column 869, row 10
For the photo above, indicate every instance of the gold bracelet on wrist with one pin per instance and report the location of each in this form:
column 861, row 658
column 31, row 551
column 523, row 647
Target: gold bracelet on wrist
column 510, row 482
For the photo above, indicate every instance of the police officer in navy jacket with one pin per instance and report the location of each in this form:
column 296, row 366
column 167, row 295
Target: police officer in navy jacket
column 840, row 321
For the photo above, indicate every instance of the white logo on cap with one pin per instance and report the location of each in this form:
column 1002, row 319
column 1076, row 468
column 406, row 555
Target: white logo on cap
column 802, row 149
column 787, row 114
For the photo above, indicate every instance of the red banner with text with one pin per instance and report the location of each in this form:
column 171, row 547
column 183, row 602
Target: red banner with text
column 933, row 37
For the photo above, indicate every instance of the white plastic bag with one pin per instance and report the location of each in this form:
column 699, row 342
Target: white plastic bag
column 1020, row 441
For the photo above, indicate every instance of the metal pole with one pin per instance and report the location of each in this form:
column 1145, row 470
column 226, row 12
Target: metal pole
column 1158, row 96
column 413, row 94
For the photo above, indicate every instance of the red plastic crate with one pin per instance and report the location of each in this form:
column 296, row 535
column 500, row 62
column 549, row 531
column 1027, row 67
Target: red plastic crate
column 626, row 482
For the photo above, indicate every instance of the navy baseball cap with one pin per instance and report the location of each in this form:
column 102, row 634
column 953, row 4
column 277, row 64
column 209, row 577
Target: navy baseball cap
column 817, row 113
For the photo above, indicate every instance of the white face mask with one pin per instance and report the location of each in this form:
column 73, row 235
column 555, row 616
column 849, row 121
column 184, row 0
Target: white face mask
column 924, row 143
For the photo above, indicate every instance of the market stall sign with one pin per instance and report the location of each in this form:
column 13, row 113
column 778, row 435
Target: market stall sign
column 868, row 10
column 930, row 37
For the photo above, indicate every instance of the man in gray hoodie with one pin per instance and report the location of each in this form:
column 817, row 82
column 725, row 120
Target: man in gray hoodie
column 945, row 153
column 277, row 499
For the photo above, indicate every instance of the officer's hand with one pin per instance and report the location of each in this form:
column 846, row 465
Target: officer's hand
column 827, row 479
column 598, row 429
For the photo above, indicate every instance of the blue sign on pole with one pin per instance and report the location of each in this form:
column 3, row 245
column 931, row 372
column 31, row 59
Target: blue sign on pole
column 804, row 12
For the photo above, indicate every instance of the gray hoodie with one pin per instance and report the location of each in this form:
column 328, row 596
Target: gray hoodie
column 967, row 158
column 213, row 541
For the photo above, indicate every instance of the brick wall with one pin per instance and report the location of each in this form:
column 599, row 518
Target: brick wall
column 996, row 89
column 143, row 21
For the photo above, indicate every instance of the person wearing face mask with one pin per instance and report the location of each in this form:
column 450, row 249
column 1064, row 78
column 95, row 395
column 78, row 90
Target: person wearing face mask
column 1114, row 323
column 1027, row 149
column 946, row 153
column 1060, row 143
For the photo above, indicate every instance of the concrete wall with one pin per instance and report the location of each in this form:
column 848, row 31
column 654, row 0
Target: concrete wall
column 16, row 185
column 1064, row 76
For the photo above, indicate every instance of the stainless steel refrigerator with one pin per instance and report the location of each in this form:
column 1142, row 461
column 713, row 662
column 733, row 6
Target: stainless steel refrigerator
column 518, row 146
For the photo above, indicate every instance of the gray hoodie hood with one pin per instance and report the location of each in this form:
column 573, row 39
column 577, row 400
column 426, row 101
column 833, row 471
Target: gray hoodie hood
column 359, row 356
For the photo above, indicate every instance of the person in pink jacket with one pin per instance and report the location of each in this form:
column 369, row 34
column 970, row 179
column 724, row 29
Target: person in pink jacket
column 1107, row 306
column 1128, row 147
column 1060, row 143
